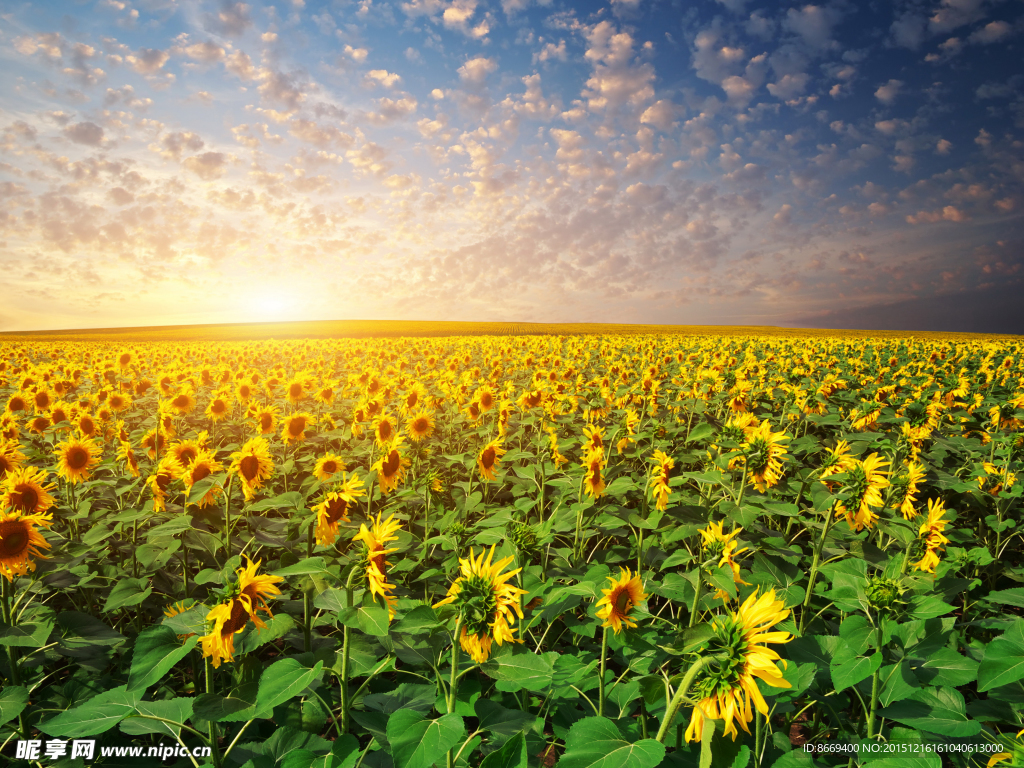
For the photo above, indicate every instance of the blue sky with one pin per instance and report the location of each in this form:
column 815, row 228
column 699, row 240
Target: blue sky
column 728, row 162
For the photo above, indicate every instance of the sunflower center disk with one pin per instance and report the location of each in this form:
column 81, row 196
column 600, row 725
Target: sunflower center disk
column 13, row 538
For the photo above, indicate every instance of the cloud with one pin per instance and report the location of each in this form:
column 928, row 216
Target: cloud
column 713, row 60
column 208, row 166
column 148, row 61
column 89, row 134
column 952, row 14
column 382, row 77
column 887, row 93
column 949, row 213
column 357, row 55
column 813, row 23
column 240, row 65
column 789, row 87
column 172, row 145
column 991, row 33
column 476, row 70
column 908, row 31
column 389, row 110
column 618, row 79
column 661, row 114
column 551, row 52
column 232, row 19
column 207, row 52
column 457, row 17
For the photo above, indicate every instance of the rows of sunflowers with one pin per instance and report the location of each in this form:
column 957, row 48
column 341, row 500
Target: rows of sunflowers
column 612, row 551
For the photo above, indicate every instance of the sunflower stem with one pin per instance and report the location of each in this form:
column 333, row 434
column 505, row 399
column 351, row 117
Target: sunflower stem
column 227, row 518
column 453, row 685
column 345, row 654
column 307, row 597
column 680, row 695
column 814, row 570
column 214, row 744
column 875, row 680
column 696, row 597
column 600, row 682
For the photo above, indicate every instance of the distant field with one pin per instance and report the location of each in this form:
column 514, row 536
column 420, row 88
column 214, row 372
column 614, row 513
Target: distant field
column 333, row 329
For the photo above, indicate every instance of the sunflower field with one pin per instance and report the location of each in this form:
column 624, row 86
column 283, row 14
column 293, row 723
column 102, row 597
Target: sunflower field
column 584, row 551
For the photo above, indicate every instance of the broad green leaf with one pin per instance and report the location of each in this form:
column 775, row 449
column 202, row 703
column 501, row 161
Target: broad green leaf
column 157, row 649
column 373, row 620
column 898, row 683
column 253, row 637
column 281, row 681
column 27, row 635
column 178, row 524
column 99, row 714
column 79, row 631
column 511, row 755
column 311, row 566
column 518, row 668
column 849, row 673
column 596, row 742
column 237, row 705
column 176, row 710
column 503, row 722
column 126, row 593
column 1014, row 597
column 947, row 667
column 935, row 711
column 13, row 700
column 1003, row 664
column 420, row 743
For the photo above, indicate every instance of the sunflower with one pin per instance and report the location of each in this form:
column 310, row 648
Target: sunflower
column 39, row 425
column 20, row 541
column 185, row 451
column 384, row 429
column 25, row 491
column 486, row 603
column 420, row 426
column 594, row 439
column 907, row 485
column 16, row 403
column 484, row 397
column 295, row 390
column 119, row 402
column 86, row 425
column 413, row 397
column 77, row 458
column 763, row 454
column 183, row 403
column 593, row 481
column 376, row 539
column 721, row 546
column 204, row 465
column 231, row 617
column 295, row 425
column 530, row 400
column 836, row 461
column 265, row 418
column 391, row 466
column 556, row 455
column 127, row 455
column 42, row 400
column 726, row 689
column 253, row 465
column 489, row 457
column 335, row 507
column 11, row 458
column 152, row 442
column 622, row 596
column 931, row 530
column 864, row 483
column 327, row 466
column 165, row 473
column 659, row 479
column 244, row 392
column 219, row 407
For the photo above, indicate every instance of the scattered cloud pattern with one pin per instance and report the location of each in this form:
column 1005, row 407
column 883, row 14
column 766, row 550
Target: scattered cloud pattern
column 724, row 161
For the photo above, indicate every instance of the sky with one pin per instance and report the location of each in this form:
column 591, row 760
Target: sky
column 736, row 162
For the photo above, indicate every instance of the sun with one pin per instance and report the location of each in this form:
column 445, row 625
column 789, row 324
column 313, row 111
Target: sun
column 269, row 305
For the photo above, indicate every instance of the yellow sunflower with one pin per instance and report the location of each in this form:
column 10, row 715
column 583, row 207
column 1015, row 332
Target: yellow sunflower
column 659, row 479
column 931, row 531
column 76, row 459
column 489, row 457
column 265, row 417
column 718, row 544
column 376, row 538
column 127, row 455
column 327, row 466
column 622, row 595
column 725, row 691
column 420, row 426
column 295, row 426
column 219, row 407
column 837, row 460
column 202, row 466
column 390, row 467
column 763, row 454
column 864, row 483
column 25, row 490
column 231, row 617
column 182, row 403
column 11, row 458
column 253, row 465
column 20, row 541
column 335, row 507
column 593, row 481
column 16, row 403
column 167, row 471
column 384, row 429
column 486, row 603
column 907, row 483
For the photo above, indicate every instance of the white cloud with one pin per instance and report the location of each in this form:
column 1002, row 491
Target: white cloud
column 475, row 71
column 991, row 33
column 887, row 93
column 955, row 13
column 813, row 23
column 382, row 77
column 789, row 87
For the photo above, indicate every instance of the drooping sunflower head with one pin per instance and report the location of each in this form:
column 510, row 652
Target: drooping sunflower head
column 486, row 603
column 763, row 453
column 375, row 539
column 21, row 541
column 204, row 465
column 489, row 457
column 11, row 457
column 127, row 455
column 76, row 459
column 166, row 472
column 864, row 485
column 390, row 467
column 621, row 597
column 335, row 507
column 384, row 429
column 727, row 687
column 265, row 417
column 593, row 479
